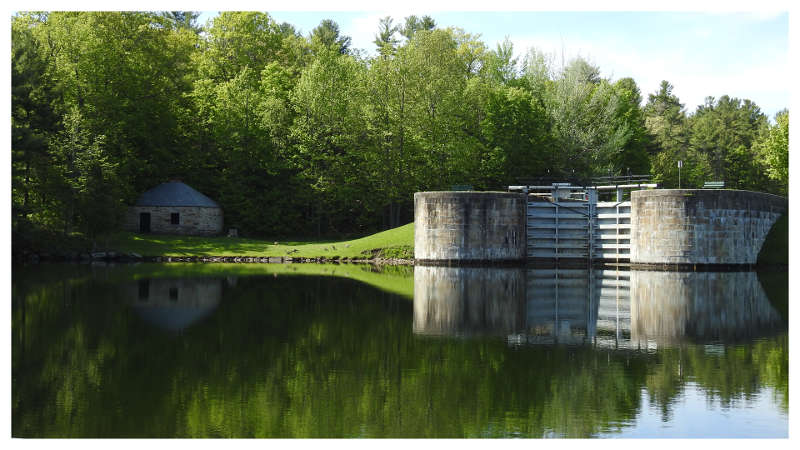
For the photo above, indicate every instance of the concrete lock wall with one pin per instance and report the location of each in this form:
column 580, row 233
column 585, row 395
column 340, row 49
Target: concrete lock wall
column 193, row 220
column 469, row 226
column 692, row 226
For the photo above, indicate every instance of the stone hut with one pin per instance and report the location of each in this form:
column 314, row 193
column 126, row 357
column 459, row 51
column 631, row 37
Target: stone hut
column 174, row 208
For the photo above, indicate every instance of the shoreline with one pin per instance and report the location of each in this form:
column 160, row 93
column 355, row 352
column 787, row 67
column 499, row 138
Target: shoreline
column 111, row 257
column 277, row 260
column 122, row 257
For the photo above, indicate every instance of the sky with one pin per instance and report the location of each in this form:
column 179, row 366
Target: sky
column 739, row 54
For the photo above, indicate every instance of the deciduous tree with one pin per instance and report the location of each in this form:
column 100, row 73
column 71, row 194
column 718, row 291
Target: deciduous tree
column 772, row 148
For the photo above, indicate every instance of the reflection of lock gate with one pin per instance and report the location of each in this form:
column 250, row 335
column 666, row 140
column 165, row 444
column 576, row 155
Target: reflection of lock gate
column 578, row 306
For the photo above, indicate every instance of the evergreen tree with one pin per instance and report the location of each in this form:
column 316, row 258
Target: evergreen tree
column 414, row 24
column 385, row 40
column 327, row 36
column 724, row 130
column 667, row 123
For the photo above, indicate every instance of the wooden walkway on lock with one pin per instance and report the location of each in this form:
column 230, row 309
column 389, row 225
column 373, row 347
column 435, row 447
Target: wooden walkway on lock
column 566, row 222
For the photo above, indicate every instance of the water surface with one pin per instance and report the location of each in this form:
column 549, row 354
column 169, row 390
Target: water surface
column 183, row 350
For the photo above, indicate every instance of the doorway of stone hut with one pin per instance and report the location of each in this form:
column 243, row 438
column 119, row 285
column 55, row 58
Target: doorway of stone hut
column 144, row 222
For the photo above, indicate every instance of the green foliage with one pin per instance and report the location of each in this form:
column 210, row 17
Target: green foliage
column 34, row 185
column 241, row 39
column 93, row 194
column 666, row 121
column 326, row 37
column 598, row 126
column 328, row 132
column 666, row 118
column 414, row 24
column 717, row 143
column 772, row 150
column 385, row 40
column 517, row 128
column 695, row 171
column 302, row 135
column 116, row 81
column 724, row 131
column 631, row 154
column 500, row 65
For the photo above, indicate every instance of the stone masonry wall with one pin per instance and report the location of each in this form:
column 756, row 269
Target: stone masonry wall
column 193, row 220
column 469, row 226
column 691, row 226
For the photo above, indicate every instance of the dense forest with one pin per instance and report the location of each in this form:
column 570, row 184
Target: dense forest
column 303, row 135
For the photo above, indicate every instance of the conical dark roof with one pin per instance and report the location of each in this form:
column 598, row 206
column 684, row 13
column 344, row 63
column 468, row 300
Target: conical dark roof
column 174, row 193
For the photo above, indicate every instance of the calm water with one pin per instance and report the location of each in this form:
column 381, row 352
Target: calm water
column 185, row 350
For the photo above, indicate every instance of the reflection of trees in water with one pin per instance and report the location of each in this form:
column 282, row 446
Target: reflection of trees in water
column 731, row 374
column 627, row 309
column 281, row 357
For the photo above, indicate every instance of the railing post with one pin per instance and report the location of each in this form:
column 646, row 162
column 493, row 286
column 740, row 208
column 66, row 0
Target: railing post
column 525, row 191
column 592, row 217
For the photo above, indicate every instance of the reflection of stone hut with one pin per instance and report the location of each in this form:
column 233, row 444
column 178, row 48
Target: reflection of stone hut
column 175, row 304
column 174, row 208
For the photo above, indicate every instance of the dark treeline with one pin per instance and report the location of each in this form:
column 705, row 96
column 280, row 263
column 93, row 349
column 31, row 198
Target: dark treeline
column 305, row 135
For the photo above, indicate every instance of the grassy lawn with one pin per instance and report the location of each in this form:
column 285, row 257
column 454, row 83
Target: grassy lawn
column 395, row 243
